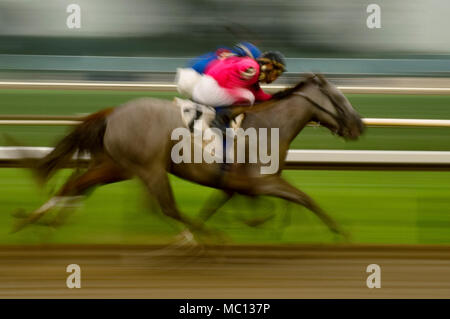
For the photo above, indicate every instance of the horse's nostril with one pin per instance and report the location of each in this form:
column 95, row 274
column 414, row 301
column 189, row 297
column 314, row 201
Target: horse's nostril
column 359, row 124
column 362, row 126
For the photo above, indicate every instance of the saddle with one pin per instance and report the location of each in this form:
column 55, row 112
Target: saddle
column 198, row 118
column 193, row 114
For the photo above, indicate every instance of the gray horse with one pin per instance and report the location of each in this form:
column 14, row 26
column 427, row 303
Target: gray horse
column 135, row 140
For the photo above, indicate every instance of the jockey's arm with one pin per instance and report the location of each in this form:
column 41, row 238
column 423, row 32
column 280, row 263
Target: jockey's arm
column 260, row 95
column 238, row 76
column 249, row 72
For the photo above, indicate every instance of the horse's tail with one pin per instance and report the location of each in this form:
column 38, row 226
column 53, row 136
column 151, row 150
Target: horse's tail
column 86, row 137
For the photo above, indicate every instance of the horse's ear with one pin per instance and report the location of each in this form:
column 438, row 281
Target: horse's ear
column 321, row 78
column 308, row 75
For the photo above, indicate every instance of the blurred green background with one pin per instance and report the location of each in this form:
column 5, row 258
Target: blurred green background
column 302, row 28
column 375, row 206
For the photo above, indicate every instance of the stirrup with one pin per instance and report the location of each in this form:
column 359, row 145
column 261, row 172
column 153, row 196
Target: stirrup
column 220, row 123
column 222, row 120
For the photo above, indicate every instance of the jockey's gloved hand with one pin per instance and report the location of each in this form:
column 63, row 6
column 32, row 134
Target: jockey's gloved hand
column 248, row 73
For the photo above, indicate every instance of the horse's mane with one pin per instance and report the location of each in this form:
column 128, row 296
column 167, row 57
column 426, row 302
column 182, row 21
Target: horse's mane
column 283, row 94
column 275, row 97
column 289, row 91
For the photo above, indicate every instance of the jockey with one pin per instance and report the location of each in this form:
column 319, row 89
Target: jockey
column 230, row 79
column 235, row 80
column 242, row 49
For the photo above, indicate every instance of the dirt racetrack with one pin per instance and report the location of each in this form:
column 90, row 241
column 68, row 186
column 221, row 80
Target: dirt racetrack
column 311, row 271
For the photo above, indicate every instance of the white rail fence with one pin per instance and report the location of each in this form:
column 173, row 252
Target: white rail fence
column 296, row 159
column 163, row 86
column 46, row 120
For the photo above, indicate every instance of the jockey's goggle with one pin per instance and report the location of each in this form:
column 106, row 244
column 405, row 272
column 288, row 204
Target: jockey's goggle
column 268, row 66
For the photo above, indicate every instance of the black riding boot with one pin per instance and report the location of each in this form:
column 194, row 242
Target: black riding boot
column 222, row 119
column 222, row 122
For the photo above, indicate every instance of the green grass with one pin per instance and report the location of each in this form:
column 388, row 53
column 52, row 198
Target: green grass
column 376, row 207
column 381, row 207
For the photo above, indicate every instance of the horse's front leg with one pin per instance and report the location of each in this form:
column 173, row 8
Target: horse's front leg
column 278, row 187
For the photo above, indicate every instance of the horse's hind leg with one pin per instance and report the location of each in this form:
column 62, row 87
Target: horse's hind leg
column 157, row 183
column 76, row 187
column 105, row 172
column 278, row 187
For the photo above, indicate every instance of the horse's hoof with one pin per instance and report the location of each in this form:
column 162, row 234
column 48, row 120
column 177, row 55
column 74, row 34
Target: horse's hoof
column 186, row 238
column 343, row 236
column 23, row 215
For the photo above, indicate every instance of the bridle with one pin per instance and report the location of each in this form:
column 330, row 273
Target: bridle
column 339, row 117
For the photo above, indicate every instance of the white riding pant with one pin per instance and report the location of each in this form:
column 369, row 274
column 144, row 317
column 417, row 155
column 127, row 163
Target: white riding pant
column 205, row 90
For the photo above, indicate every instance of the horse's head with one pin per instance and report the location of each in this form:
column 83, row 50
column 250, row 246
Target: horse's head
column 331, row 108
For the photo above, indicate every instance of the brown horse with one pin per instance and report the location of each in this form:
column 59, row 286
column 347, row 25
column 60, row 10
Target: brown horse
column 135, row 140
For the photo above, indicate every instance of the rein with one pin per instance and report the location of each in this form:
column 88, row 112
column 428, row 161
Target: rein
column 338, row 118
